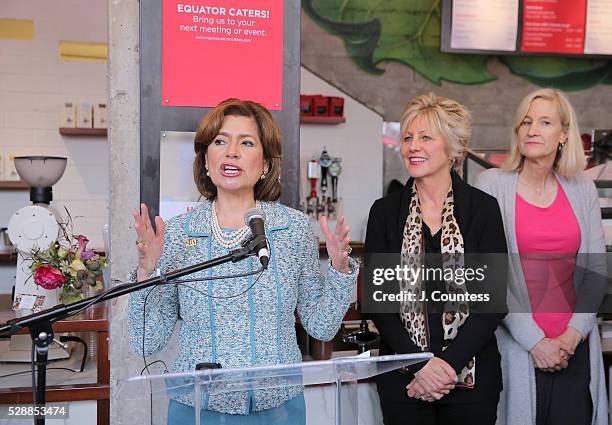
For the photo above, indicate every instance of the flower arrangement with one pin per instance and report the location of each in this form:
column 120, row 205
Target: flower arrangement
column 67, row 264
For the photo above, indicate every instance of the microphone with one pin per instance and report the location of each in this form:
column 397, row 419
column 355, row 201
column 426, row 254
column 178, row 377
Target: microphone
column 254, row 218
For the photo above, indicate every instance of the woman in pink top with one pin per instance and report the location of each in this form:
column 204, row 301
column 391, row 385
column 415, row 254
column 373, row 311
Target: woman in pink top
column 551, row 354
column 548, row 239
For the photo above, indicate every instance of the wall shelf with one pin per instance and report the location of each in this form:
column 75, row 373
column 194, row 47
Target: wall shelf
column 321, row 120
column 13, row 185
column 90, row 132
column 9, row 259
column 102, row 132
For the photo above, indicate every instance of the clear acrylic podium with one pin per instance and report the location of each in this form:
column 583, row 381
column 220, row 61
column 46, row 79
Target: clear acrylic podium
column 342, row 374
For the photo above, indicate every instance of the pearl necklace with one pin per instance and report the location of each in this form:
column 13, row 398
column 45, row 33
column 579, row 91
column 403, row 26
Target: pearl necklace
column 226, row 239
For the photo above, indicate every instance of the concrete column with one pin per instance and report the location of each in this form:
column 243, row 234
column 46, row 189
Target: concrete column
column 124, row 143
column 125, row 152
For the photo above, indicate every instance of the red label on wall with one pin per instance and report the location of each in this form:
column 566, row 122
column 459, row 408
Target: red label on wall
column 213, row 50
column 553, row 26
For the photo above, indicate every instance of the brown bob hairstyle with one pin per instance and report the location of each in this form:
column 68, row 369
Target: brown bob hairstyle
column 268, row 189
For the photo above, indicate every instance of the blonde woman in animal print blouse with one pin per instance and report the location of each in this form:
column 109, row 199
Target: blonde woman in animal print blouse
column 437, row 212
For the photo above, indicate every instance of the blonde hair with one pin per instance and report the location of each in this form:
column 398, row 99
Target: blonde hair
column 450, row 118
column 570, row 159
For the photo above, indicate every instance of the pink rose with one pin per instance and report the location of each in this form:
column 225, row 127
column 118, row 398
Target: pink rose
column 49, row 277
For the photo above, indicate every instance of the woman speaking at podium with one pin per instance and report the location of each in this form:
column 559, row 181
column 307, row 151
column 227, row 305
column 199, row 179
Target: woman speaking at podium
column 245, row 321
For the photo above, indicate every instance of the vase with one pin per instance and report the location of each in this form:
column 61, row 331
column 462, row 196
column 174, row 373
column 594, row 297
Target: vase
column 69, row 295
column 91, row 337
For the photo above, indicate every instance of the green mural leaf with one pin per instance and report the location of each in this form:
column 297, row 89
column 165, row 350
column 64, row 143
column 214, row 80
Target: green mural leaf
column 360, row 38
column 550, row 67
column 568, row 74
column 608, row 79
column 375, row 31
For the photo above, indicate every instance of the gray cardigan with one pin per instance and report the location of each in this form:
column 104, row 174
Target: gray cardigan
column 519, row 333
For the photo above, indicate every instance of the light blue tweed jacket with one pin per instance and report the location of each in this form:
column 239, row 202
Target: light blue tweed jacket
column 254, row 329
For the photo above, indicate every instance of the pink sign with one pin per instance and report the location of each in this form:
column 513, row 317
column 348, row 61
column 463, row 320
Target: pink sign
column 213, row 50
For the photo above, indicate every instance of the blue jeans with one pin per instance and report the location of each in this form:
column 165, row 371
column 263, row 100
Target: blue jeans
column 292, row 412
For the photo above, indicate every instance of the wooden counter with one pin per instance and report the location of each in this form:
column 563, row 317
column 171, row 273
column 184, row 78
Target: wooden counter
column 92, row 320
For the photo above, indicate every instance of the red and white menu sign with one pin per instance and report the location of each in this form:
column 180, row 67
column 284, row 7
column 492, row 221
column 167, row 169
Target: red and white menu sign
column 216, row 49
column 598, row 40
column 553, row 26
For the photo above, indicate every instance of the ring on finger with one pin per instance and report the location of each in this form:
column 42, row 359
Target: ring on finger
column 138, row 242
column 348, row 249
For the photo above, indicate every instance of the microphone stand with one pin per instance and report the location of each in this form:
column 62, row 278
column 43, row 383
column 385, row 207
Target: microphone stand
column 41, row 331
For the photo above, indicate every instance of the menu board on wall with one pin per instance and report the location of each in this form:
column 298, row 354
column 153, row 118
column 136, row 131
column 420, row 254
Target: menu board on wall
column 553, row 26
column 598, row 38
column 557, row 27
column 484, row 24
column 216, row 49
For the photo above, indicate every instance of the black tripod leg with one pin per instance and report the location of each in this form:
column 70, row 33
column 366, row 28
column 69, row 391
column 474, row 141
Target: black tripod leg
column 41, row 381
column 42, row 335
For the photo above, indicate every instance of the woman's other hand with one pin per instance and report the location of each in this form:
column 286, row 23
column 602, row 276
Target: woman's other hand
column 150, row 242
column 550, row 355
column 336, row 242
column 436, row 379
column 571, row 337
column 417, row 389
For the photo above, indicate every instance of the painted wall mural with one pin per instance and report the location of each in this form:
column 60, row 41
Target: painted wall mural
column 408, row 32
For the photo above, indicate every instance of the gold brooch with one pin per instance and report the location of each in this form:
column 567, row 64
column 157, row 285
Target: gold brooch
column 191, row 242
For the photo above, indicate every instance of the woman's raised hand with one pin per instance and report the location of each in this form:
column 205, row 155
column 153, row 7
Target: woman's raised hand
column 150, row 242
column 336, row 243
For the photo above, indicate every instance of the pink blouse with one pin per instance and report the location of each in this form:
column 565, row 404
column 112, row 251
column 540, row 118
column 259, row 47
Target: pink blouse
column 548, row 240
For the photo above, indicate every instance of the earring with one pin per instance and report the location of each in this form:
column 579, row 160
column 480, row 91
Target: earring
column 263, row 175
column 207, row 173
column 561, row 145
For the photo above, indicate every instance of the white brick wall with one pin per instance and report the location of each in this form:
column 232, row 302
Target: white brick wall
column 34, row 84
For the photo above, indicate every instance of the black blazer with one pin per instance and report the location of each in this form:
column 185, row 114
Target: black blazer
column 481, row 226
